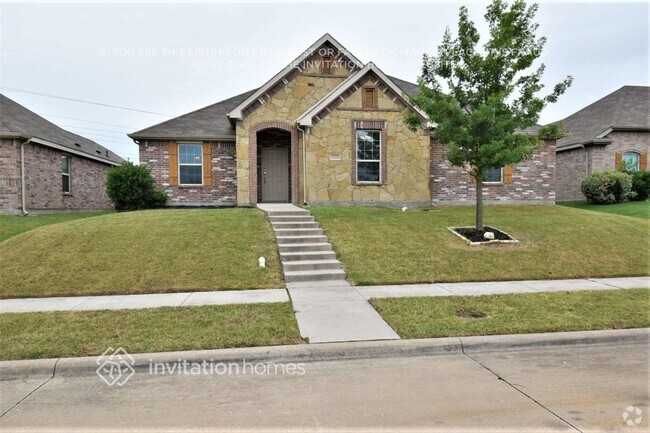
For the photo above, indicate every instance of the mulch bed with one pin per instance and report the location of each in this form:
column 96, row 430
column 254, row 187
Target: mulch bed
column 477, row 235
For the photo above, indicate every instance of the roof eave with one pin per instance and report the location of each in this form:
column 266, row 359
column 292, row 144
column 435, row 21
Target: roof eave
column 73, row 151
column 188, row 138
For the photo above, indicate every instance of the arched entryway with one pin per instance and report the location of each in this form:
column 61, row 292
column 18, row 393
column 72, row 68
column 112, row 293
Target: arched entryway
column 274, row 163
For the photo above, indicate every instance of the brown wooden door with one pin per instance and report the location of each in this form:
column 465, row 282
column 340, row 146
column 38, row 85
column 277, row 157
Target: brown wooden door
column 275, row 175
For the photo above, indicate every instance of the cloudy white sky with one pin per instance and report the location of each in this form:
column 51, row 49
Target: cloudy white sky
column 170, row 58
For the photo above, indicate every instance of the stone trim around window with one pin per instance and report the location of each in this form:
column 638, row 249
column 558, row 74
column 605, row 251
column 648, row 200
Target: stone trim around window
column 379, row 125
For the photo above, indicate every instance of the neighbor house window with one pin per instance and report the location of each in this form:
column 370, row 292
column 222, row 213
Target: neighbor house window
column 493, row 175
column 368, row 155
column 190, row 164
column 326, row 65
column 65, row 174
column 631, row 161
column 369, row 98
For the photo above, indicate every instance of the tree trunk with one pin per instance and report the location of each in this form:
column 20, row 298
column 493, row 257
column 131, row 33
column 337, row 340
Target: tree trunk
column 479, row 200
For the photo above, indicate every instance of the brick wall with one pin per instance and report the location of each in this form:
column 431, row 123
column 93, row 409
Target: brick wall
column 43, row 181
column 571, row 169
column 9, row 176
column 221, row 192
column 571, row 163
column 533, row 181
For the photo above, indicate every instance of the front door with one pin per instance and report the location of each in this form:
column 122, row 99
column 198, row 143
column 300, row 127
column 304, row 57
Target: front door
column 275, row 175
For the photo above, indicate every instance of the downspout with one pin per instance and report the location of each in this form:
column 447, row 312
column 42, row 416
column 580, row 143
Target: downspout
column 304, row 166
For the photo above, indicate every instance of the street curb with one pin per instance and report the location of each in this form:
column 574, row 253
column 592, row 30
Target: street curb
column 303, row 353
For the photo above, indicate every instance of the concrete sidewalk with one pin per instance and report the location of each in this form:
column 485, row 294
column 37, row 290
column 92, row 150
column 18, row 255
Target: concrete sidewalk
column 224, row 297
column 155, row 300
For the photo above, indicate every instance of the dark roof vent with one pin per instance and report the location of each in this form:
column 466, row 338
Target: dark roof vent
column 106, row 152
column 99, row 152
column 77, row 144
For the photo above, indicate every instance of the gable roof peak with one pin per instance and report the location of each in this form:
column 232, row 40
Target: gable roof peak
column 237, row 112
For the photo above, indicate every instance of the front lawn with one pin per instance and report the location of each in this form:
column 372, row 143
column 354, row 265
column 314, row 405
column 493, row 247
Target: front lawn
column 456, row 316
column 85, row 333
column 387, row 246
column 11, row 225
column 142, row 252
column 639, row 209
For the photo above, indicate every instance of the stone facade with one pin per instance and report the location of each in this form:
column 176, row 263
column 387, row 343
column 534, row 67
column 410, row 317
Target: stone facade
column 331, row 172
column 222, row 190
column 533, row 181
column 43, row 190
column 573, row 165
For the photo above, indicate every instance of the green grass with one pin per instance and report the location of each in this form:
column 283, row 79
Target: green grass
column 639, row 209
column 142, row 252
column 85, row 333
column 388, row 246
column 516, row 314
column 14, row 225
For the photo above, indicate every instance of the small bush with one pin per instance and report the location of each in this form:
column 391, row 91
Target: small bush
column 131, row 186
column 607, row 187
column 641, row 185
column 159, row 199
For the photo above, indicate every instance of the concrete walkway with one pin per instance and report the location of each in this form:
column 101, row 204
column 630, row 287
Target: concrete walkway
column 299, row 294
column 328, row 309
column 127, row 302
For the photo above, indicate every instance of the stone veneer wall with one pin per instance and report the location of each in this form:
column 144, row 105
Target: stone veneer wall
column 330, row 147
column 9, row 176
column 533, row 181
column 221, row 192
column 300, row 93
column 571, row 163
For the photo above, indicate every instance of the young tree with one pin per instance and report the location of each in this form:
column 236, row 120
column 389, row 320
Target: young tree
column 492, row 91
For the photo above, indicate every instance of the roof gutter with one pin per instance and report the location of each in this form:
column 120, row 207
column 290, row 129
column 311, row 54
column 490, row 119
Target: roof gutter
column 74, row 152
column 22, row 177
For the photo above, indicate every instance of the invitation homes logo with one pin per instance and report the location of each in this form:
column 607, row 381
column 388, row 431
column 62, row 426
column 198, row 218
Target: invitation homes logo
column 116, row 367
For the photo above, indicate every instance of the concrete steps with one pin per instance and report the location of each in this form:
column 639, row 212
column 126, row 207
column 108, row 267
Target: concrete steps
column 305, row 252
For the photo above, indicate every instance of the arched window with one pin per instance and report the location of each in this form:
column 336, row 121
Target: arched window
column 631, row 161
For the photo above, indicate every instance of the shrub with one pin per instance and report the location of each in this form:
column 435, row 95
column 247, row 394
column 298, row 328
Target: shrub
column 607, row 187
column 641, row 184
column 131, row 186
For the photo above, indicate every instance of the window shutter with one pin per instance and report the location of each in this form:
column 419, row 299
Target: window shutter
column 173, row 163
column 507, row 174
column 369, row 98
column 643, row 164
column 207, row 163
column 617, row 160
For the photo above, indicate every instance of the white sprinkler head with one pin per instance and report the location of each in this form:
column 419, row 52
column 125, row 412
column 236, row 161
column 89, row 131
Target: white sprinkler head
column 262, row 262
column 488, row 235
column 404, row 209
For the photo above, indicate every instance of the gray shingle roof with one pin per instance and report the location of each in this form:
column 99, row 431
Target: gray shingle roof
column 627, row 107
column 212, row 122
column 18, row 121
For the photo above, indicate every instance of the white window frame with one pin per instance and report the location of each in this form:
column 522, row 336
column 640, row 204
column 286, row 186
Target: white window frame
column 187, row 164
column 638, row 158
column 67, row 174
column 492, row 182
column 356, row 149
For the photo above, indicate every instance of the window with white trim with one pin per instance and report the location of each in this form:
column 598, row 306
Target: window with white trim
column 368, row 155
column 65, row 174
column 190, row 164
column 493, row 175
column 631, row 161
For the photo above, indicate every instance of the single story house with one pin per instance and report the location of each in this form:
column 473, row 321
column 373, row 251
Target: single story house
column 602, row 136
column 326, row 129
column 46, row 168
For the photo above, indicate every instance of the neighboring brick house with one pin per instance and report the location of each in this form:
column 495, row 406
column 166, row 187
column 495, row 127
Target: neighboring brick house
column 599, row 137
column 61, row 170
column 327, row 129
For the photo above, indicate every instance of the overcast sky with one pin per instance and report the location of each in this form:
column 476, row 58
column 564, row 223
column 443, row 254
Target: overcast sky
column 171, row 59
